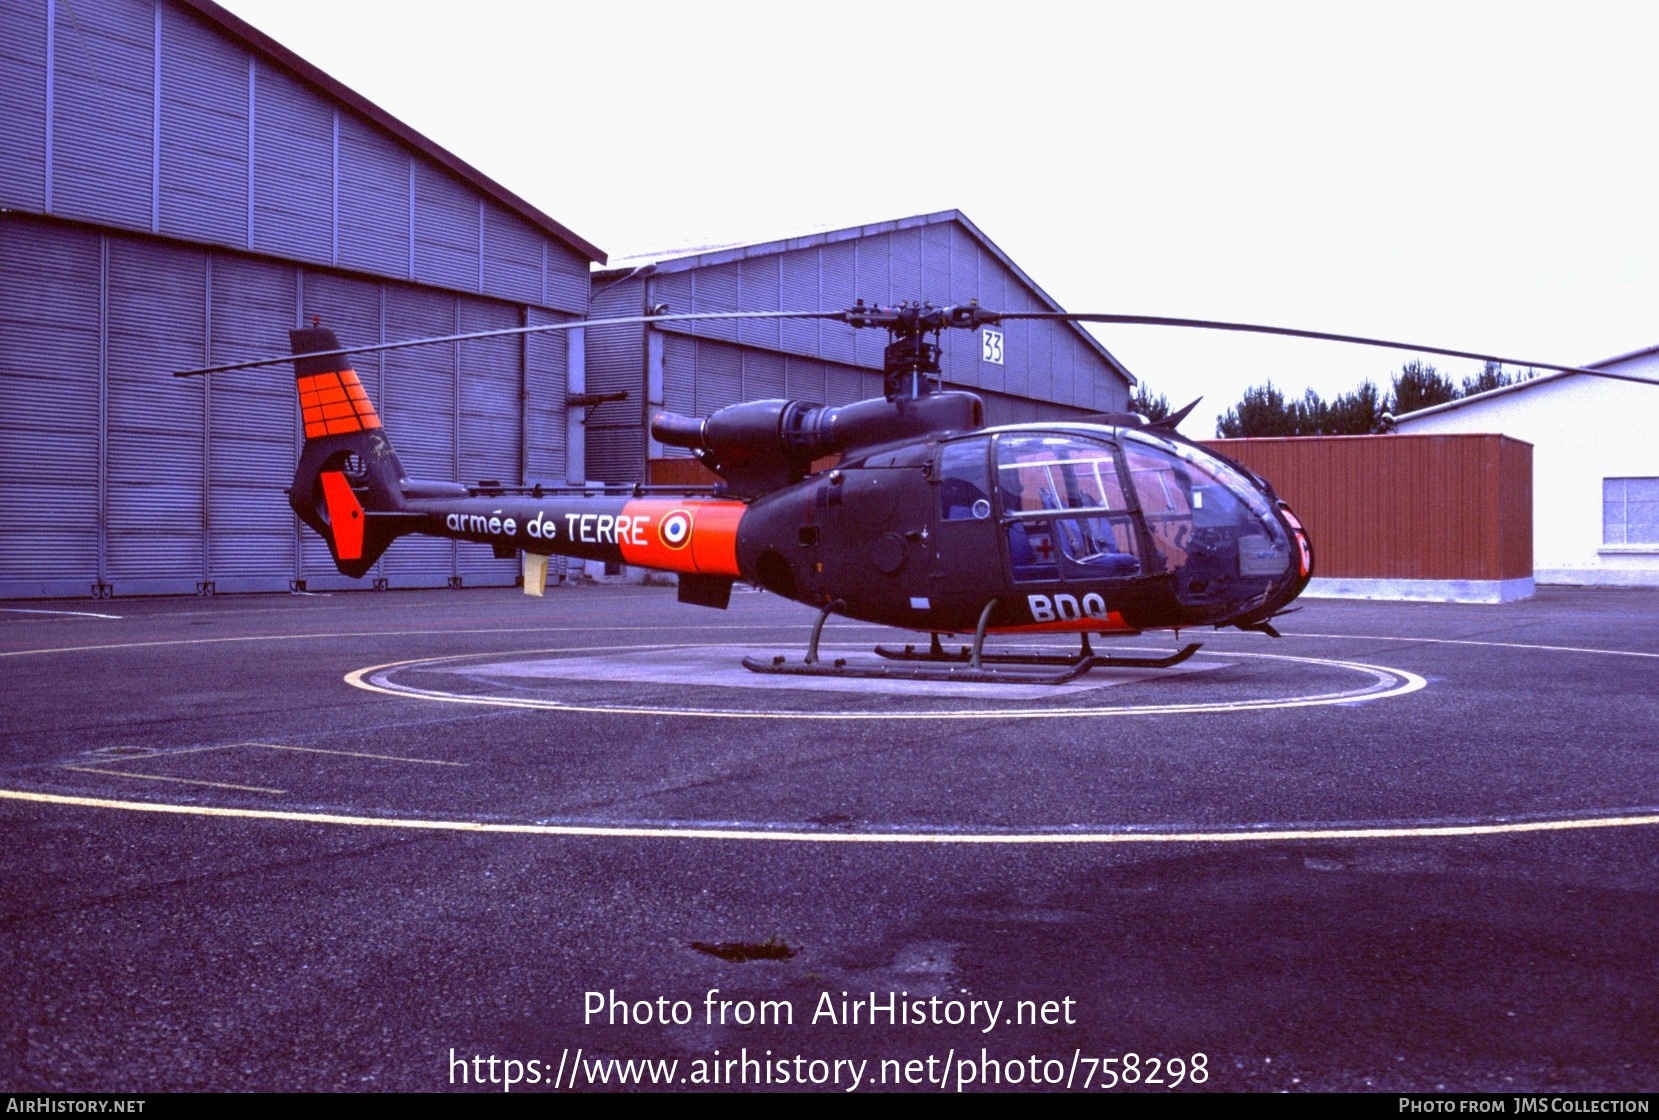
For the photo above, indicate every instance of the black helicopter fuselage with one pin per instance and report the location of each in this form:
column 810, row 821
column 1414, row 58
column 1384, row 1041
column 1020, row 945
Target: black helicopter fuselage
column 1065, row 527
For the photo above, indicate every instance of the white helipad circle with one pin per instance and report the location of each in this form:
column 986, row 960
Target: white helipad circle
column 1377, row 682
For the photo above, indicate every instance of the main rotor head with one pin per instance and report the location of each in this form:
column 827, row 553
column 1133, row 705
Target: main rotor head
column 910, row 364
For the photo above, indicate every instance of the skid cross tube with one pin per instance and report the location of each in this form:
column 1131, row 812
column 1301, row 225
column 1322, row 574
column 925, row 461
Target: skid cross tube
column 978, row 661
column 818, row 629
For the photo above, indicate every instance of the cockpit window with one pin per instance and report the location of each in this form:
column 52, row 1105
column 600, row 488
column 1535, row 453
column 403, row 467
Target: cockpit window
column 1065, row 510
column 1165, row 492
column 1046, row 472
column 964, row 481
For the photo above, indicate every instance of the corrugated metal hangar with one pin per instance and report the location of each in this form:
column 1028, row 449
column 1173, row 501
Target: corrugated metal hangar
column 177, row 189
column 181, row 190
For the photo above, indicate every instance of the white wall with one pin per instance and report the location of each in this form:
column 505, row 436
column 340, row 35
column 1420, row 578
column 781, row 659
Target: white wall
column 1582, row 430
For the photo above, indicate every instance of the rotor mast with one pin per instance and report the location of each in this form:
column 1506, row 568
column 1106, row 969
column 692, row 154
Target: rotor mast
column 910, row 364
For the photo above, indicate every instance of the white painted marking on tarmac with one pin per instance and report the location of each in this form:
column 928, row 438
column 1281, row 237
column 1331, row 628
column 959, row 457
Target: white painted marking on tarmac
column 1246, row 835
column 1385, row 683
column 356, row 754
column 169, row 752
column 77, row 614
column 763, row 628
column 768, row 627
column 722, row 667
column 1474, row 642
column 180, row 781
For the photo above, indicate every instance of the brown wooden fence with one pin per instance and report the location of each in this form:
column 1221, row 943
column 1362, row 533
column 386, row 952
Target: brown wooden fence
column 1444, row 507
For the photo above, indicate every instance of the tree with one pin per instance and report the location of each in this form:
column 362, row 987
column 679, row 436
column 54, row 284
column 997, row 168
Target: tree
column 1260, row 412
column 1492, row 376
column 1419, row 386
column 1357, row 413
column 1264, row 411
column 1307, row 416
column 1143, row 402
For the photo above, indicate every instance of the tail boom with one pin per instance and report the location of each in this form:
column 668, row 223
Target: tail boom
column 693, row 536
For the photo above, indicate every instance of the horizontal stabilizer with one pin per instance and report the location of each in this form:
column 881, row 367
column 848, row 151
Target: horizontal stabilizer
column 705, row 591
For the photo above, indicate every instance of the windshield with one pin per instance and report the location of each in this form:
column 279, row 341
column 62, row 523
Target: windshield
column 1209, row 524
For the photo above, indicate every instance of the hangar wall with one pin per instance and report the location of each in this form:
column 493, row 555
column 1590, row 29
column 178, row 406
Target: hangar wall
column 1595, row 460
column 175, row 190
column 1047, row 371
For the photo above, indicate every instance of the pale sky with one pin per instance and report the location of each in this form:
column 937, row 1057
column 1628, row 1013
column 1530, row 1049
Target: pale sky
column 1475, row 176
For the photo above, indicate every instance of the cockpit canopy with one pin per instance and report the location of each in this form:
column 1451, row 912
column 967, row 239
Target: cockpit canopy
column 1077, row 506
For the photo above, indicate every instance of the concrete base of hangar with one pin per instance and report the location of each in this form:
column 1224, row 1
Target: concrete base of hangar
column 598, row 571
column 1423, row 590
column 1600, row 577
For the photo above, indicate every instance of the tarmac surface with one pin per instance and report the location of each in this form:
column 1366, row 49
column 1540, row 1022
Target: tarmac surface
column 374, row 841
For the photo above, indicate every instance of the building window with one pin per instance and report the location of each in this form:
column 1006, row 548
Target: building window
column 1630, row 511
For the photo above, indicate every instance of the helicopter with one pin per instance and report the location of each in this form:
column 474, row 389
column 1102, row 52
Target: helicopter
column 903, row 510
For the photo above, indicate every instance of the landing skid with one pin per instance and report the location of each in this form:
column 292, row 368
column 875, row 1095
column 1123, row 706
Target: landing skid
column 882, row 670
column 937, row 655
column 969, row 664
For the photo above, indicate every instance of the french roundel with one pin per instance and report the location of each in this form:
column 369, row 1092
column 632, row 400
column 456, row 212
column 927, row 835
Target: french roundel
column 675, row 529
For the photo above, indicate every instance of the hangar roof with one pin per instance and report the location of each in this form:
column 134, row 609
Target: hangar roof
column 1531, row 382
column 685, row 258
column 262, row 43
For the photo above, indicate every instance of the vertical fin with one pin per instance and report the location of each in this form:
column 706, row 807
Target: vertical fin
column 347, row 482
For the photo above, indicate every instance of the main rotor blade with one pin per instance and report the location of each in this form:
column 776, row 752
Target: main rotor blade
column 504, row 332
column 979, row 316
column 1322, row 336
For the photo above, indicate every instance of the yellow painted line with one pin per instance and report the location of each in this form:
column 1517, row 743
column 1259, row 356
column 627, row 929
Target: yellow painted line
column 1408, row 682
column 180, row 781
column 1220, row 836
column 355, row 754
